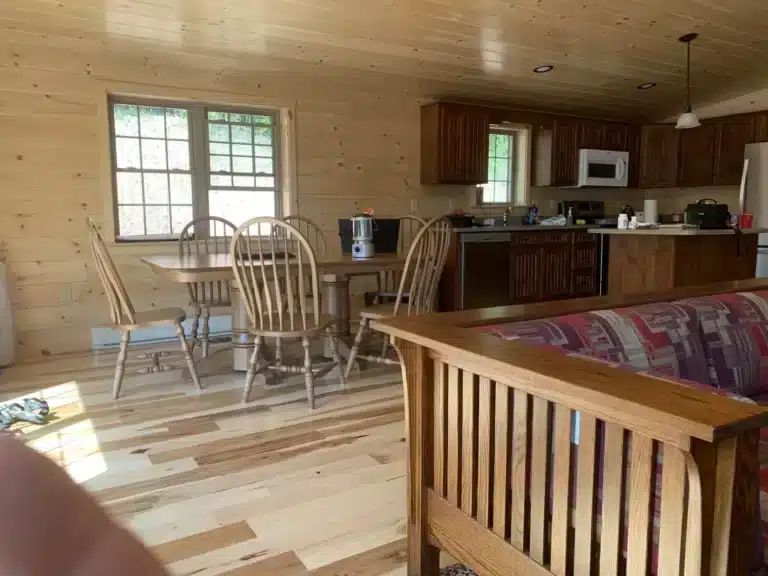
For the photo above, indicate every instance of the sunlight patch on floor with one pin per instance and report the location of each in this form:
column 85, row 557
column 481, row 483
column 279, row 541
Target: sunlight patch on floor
column 75, row 446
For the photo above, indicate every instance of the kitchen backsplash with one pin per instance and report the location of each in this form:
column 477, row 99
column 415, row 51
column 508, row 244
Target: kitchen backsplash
column 671, row 200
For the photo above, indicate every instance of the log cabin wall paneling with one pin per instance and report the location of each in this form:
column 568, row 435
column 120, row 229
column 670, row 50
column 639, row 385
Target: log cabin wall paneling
column 356, row 146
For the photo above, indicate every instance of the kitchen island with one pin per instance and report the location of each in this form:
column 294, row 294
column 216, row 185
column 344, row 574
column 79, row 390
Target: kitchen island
column 662, row 259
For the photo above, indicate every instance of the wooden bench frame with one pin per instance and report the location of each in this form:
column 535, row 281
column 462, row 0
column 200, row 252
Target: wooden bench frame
column 485, row 416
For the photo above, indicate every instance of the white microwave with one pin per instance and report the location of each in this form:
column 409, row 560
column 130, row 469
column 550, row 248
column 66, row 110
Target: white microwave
column 603, row 168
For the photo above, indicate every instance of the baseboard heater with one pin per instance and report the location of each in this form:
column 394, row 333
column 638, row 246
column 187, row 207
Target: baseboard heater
column 105, row 338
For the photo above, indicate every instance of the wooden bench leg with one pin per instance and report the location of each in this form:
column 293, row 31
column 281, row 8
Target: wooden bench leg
column 730, row 482
column 423, row 559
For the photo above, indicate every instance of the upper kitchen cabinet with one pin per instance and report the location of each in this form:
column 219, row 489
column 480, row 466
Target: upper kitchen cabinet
column 565, row 151
column 618, row 136
column 591, row 135
column 572, row 134
column 698, row 147
column 454, row 144
column 761, row 127
column 659, row 146
column 735, row 133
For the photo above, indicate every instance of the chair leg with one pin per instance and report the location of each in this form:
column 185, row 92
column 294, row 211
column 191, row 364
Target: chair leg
column 309, row 377
column 193, row 332
column 125, row 338
column 379, row 289
column 188, row 355
column 384, row 345
column 279, row 352
column 204, row 339
column 337, row 358
column 356, row 345
column 252, row 368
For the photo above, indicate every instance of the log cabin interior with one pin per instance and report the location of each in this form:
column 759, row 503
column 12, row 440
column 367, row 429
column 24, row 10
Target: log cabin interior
column 419, row 287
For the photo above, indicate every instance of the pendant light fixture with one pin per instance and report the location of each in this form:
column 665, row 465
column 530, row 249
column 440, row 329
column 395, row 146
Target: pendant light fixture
column 688, row 118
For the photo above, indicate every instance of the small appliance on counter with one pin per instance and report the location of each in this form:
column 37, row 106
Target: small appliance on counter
column 385, row 231
column 586, row 211
column 707, row 214
column 461, row 219
column 362, row 236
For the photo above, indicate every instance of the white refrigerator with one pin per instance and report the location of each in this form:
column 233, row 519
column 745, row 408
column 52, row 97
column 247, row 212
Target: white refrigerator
column 756, row 199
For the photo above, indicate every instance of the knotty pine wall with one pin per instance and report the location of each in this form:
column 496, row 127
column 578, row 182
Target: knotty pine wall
column 356, row 146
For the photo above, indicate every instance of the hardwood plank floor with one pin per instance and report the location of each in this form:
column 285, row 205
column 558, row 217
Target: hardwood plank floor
column 213, row 486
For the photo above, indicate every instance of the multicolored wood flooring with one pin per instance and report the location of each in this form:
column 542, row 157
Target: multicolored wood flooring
column 214, row 486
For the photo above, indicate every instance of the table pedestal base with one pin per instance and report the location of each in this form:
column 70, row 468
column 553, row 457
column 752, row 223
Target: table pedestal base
column 336, row 296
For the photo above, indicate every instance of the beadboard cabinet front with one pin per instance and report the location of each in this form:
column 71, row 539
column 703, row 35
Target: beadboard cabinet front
column 734, row 134
column 454, row 144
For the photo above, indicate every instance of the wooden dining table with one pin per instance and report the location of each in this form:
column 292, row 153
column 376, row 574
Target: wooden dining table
column 335, row 274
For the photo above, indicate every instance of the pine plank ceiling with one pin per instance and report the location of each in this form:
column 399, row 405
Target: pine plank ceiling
column 461, row 49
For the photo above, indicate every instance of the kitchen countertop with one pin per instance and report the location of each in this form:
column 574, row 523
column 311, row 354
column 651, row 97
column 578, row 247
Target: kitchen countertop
column 529, row 228
column 674, row 231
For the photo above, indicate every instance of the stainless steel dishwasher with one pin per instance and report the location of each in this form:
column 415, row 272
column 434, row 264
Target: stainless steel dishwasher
column 485, row 269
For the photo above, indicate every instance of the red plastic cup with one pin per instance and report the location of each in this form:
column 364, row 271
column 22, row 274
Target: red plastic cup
column 745, row 221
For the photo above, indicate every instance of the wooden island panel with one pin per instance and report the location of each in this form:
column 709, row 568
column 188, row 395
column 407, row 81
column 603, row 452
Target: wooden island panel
column 640, row 263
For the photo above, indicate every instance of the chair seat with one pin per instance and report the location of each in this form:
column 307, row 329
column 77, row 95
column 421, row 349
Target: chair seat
column 312, row 327
column 380, row 311
column 156, row 317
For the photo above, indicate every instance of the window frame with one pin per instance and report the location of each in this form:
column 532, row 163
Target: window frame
column 518, row 172
column 199, row 145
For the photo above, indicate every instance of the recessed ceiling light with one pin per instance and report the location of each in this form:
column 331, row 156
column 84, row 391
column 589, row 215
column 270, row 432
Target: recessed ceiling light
column 646, row 85
column 543, row 69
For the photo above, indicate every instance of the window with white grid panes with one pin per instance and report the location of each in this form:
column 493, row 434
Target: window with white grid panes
column 509, row 150
column 153, row 177
column 242, row 165
column 174, row 162
column 500, row 185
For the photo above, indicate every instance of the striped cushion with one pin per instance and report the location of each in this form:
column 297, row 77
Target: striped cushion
column 661, row 337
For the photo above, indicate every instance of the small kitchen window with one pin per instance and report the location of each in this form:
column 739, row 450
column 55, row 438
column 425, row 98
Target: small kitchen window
column 508, row 161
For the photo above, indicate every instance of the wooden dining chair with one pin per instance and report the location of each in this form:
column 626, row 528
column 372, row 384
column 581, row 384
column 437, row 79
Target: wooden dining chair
column 125, row 318
column 417, row 291
column 388, row 281
column 206, row 235
column 311, row 231
column 273, row 263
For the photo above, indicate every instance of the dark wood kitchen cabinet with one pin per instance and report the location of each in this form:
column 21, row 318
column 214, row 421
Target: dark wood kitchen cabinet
column 454, row 144
column 544, row 266
column 565, row 151
column 761, row 127
column 659, row 147
column 525, row 280
column 617, row 136
column 555, row 269
column 533, row 266
column 591, row 135
column 572, row 134
column 734, row 133
column 697, row 155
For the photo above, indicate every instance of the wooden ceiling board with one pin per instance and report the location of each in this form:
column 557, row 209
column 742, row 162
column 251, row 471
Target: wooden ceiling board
column 481, row 49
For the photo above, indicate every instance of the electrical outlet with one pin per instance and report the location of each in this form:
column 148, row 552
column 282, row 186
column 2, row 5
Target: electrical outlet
column 414, row 206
